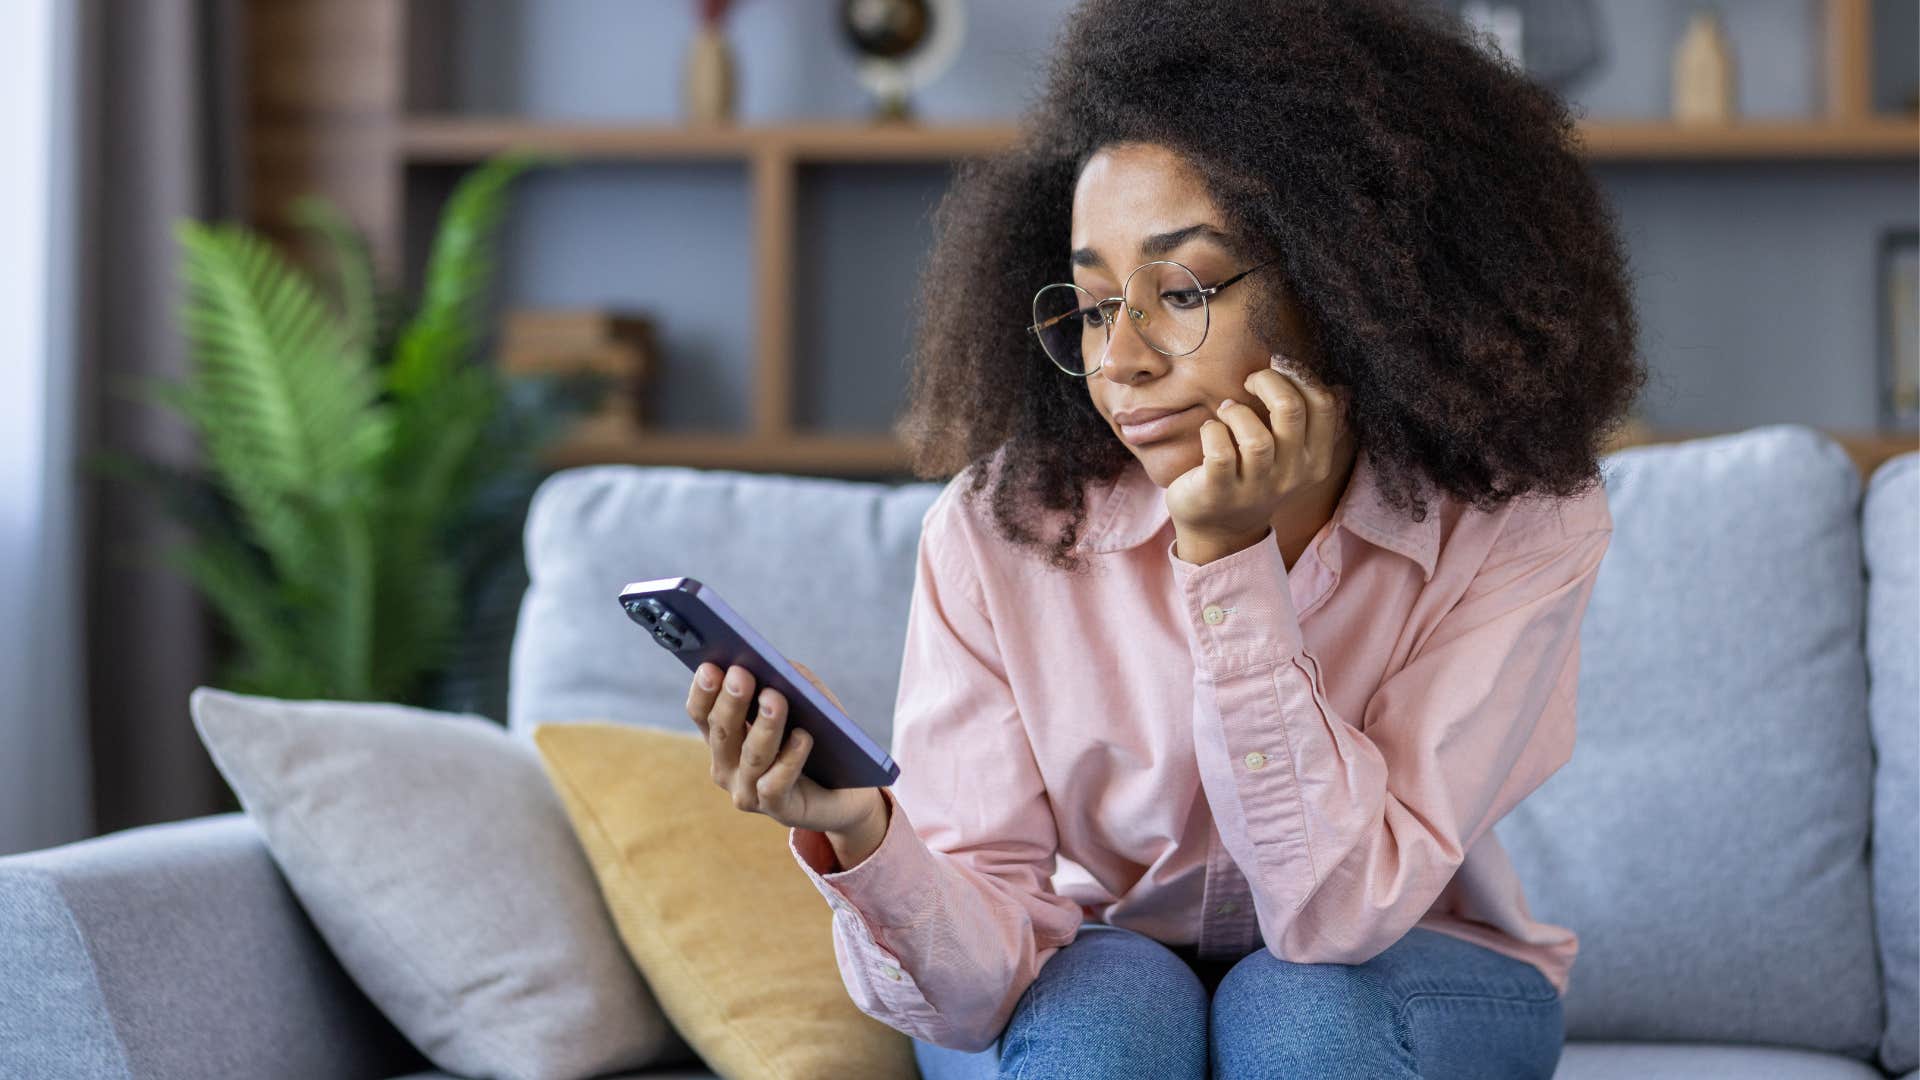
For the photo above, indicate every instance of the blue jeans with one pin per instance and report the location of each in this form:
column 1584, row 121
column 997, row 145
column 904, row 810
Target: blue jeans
column 1118, row 1003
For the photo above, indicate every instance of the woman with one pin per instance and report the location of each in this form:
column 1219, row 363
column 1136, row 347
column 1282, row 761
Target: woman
column 1282, row 350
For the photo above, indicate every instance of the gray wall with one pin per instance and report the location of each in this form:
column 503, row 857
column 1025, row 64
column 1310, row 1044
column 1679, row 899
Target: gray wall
column 1755, row 281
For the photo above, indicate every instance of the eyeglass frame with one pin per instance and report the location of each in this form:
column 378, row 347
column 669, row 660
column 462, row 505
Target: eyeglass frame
column 1107, row 321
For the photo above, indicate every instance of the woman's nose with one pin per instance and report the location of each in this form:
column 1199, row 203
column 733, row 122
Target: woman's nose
column 1127, row 354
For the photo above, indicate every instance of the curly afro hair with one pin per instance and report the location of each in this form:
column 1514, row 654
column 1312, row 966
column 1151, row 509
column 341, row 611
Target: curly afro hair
column 1428, row 204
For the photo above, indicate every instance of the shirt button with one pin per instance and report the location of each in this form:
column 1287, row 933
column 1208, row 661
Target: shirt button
column 890, row 972
column 1212, row 614
column 1256, row 759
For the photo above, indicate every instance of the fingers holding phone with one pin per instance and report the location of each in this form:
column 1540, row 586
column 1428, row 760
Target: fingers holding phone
column 750, row 760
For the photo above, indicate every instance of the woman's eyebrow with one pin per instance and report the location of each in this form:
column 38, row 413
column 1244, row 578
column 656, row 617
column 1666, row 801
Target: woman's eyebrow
column 1158, row 244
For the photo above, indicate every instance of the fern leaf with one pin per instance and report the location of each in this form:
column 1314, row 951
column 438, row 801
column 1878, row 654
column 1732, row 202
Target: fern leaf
column 357, row 293
column 445, row 329
column 285, row 407
column 245, row 597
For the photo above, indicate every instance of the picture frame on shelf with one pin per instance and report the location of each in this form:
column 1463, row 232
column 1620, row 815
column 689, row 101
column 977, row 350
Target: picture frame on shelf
column 1898, row 311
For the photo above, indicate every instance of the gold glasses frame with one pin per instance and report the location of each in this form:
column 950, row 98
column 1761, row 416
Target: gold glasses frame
column 1109, row 308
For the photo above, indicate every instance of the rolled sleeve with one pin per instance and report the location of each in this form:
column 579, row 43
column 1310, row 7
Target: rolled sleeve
column 887, row 892
column 946, row 923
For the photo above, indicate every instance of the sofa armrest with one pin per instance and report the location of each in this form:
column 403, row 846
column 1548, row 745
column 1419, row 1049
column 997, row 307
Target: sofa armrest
column 175, row 951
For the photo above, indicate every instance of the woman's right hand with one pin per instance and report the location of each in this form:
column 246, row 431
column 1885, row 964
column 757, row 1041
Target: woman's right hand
column 763, row 776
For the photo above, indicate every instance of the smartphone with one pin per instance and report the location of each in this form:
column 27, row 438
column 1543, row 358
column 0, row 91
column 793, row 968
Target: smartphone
column 690, row 621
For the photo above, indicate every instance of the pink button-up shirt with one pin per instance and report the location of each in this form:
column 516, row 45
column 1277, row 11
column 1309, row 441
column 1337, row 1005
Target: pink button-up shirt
column 1233, row 755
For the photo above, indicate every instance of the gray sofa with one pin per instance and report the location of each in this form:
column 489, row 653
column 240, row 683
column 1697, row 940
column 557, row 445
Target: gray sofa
column 1734, row 840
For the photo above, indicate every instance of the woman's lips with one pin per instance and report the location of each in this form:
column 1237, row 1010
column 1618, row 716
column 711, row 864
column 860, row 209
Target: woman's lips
column 1157, row 428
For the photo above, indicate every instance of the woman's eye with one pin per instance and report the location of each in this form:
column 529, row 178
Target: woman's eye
column 1183, row 299
column 1090, row 317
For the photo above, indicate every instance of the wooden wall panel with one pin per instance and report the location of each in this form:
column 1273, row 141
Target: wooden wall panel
column 326, row 94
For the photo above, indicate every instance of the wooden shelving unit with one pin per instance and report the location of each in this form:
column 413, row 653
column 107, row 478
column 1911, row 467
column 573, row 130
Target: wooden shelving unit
column 360, row 139
column 444, row 141
column 463, row 140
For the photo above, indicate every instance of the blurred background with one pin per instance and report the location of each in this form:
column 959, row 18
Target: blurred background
column 573, row 232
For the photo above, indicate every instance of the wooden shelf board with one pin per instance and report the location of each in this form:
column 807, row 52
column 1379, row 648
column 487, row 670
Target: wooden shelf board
column 457, row 139
column 461, row 139
column 875, row 454
column 1751, row 140
column 1868, row 449
column 798, row 453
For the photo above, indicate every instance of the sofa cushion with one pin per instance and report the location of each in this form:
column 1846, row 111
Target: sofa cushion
column 1708, row 839
column 1890, row 523
column 436, row 861
column 823, row 568
column 1704, row 1061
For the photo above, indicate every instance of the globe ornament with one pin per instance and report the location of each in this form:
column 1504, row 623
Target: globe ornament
column 902, row 46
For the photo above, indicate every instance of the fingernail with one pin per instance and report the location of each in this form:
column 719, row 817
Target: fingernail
column 706, row 679
column 766, row 704
column 1226, row 403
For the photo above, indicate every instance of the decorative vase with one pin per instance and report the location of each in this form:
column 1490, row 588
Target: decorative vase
column 706, row 89
column 1703, row 73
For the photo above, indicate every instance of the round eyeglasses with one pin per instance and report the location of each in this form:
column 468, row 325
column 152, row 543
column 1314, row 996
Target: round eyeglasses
column 1163, row 300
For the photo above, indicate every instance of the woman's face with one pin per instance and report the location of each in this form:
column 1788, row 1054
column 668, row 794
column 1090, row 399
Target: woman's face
column 1135, row 203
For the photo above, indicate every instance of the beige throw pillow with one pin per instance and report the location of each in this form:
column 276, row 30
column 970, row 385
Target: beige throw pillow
column 729, row 932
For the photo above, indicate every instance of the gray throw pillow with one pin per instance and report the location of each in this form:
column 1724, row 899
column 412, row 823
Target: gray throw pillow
column 435, row 859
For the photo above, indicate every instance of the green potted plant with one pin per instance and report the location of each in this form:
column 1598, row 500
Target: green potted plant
column 365, row 475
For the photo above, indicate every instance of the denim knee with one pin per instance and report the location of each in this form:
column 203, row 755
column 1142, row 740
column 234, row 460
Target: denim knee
column 1111, row 1003
column 1305, row 1016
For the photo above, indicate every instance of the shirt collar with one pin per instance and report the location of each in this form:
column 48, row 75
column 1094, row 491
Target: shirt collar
column 1132, row 509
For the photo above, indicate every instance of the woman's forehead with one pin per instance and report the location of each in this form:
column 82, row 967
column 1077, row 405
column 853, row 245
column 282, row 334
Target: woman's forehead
column 1139, row 173
column 1130, row 193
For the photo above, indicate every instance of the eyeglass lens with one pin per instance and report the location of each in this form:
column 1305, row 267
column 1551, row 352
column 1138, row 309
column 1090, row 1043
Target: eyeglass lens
column 1163, row 303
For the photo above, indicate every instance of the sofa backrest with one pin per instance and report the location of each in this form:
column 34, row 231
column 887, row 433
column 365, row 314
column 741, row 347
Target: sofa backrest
column 1890, row 522
column 822, row 568
column 1708, row 840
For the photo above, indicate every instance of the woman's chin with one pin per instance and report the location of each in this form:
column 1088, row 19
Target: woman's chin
column 1167, row 459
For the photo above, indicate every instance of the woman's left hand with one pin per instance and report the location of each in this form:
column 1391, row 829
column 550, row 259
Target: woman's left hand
column 1251, row 467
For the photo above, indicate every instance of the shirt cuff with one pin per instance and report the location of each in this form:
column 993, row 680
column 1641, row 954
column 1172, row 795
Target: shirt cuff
column 1239, row 607
column 871, row 966
column 891, row 887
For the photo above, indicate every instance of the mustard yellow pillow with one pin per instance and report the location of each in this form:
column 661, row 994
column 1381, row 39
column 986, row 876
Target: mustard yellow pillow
column 732, row 937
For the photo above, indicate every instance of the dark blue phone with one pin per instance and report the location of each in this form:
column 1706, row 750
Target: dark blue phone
column 690, row 621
